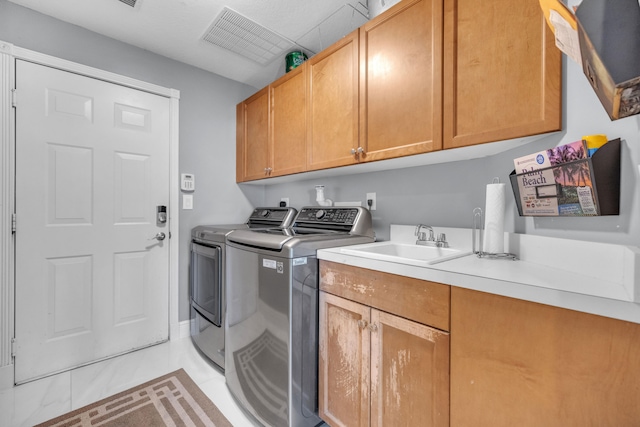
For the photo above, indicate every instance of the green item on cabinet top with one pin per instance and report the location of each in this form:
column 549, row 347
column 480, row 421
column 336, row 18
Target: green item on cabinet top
column 294, row 59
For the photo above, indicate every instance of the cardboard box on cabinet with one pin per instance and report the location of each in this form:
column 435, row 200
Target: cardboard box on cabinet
column 609, row 34
column 606, row 44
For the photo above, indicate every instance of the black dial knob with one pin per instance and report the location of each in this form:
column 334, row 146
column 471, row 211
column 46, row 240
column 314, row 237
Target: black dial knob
column 264, row 213
column 320, row 213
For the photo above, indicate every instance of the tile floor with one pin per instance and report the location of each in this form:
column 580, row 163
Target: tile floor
column 38, row 401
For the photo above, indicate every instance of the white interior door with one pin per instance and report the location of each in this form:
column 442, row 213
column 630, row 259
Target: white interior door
column 92, row 164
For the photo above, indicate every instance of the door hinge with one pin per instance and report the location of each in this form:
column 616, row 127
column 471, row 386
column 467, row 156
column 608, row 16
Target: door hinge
column 13, row 223
column 13, row 347
column 14, row 102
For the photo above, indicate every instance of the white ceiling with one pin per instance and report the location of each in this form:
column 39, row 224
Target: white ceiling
column 174, row 28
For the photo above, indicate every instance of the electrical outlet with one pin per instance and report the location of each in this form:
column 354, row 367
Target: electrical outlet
column 372, row 197
column 285, row 200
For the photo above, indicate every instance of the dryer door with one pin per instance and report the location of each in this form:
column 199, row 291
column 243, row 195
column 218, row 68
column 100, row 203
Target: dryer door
column 206, row 281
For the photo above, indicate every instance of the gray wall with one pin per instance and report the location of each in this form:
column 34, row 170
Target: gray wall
column 439, row 195
column 207, row 114
column 445, row 194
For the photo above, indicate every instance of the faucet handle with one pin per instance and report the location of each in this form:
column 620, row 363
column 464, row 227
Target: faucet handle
column 442, row 240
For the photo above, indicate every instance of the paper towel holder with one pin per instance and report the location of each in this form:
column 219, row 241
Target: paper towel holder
column 476, row 239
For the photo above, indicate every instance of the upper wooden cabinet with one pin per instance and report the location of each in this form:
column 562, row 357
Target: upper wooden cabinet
column 502, row 72
column 424, row 75
column 333, row 105
column 289, row 123
column 252, row 137
column 401, row 81
column 271, row 129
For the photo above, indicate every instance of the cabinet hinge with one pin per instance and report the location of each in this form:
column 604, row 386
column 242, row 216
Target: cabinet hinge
column 13, row 347
column 13, row 223
column 14, row 102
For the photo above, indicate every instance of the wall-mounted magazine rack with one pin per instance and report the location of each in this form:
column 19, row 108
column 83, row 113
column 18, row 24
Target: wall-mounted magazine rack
column 585, row 187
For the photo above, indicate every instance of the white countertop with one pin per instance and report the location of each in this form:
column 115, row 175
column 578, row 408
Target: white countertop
column 591, row 277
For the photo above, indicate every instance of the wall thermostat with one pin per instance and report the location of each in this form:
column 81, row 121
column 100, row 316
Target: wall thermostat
column 187, row 182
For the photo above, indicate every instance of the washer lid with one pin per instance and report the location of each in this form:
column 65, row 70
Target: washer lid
column 276, row 238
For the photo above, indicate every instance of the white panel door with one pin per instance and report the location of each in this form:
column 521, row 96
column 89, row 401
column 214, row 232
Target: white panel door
column 92, row 164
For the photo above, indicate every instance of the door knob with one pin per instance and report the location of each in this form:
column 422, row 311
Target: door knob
column 159, row 237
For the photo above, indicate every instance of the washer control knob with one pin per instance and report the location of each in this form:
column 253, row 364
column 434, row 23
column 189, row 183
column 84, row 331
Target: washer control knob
column 320, row 214
column 264, row 213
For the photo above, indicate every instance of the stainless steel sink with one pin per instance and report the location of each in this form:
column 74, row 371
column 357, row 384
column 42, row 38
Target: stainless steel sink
column 404, row 253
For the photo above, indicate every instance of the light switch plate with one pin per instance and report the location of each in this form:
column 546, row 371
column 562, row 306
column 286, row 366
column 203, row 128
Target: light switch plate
column 187, row 201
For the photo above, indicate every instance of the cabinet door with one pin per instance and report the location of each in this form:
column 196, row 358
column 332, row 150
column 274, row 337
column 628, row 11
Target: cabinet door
column 253, row 137
column 409, row 373
column 333, row 104
column 343, row 371
column 289, row 123
column 518, row 363
column 401, row 81
column 502, row 72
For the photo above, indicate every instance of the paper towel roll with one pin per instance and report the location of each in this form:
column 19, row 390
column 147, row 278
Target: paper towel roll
column 494, row 219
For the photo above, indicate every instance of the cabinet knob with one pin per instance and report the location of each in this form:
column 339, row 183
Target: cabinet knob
column 353, row 151
column 360, row 150
column 362, row 324
column 373, row 327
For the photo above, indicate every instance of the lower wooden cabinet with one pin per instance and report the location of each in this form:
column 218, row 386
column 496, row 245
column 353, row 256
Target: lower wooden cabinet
column 518, row 363
column 377, row 368
column 344, row 362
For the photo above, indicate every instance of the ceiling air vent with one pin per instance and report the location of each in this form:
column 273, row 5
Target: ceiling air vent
column 131, row 3
column 245, row 37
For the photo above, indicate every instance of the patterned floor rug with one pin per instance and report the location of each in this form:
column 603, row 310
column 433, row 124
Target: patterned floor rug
column 171, row 400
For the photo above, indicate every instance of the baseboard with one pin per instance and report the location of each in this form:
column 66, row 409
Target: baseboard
column 184, row 329
column 6, row 377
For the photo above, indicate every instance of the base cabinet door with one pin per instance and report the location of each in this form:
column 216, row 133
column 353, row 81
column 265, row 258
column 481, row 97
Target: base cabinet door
column 379, row 369
column 343, row 367
column 409, row 373
column 518, row 363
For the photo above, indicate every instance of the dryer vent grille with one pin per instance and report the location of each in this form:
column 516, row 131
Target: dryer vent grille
column 234, row 32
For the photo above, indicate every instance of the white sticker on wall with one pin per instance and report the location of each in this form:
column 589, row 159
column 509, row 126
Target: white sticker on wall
column 299, row 261
column 269, row 263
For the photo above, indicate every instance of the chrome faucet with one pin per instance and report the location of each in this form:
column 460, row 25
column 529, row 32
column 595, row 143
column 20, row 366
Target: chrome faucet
column 440, row 242
column 422, row 236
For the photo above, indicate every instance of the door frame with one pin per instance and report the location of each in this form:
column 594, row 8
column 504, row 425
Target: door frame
column 8, row 55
